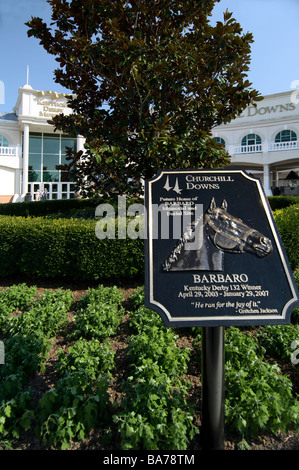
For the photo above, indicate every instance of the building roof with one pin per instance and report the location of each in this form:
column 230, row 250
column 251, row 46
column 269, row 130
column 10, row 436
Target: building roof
column 5, row 116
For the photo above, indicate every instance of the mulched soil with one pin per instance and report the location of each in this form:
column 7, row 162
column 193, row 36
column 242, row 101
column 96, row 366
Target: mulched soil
column 43, row 381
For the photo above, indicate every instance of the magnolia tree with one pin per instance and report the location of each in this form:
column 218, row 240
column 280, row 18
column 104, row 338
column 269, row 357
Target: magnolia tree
column 149, row 81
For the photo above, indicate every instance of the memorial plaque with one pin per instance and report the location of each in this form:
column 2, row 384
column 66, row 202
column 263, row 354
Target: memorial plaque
column 213, row 253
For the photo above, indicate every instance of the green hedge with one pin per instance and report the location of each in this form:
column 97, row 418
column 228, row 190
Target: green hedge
column 280, row 202
column 65, row 207
column 68, row 206
column 66, row 248
column 287, row 221
column 42, row 208
column 69, row 248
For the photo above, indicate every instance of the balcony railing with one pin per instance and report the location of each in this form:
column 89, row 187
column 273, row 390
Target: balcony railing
column 266, row 147
column 274, row 146
column 248, row 148
column 8, row 151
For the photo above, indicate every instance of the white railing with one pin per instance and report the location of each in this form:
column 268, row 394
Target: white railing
column 8, row 151
column 274, row 146
column 248, row 148
column 266, row 147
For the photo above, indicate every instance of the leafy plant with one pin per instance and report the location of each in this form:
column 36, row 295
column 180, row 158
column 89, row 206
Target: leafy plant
column 99, row 314
column 145, row 319
column 47, row 315
column 277, row 339
column 154, row 411
column 258, row 395
column 137, row 298
column 24, row 355
column 72, row 408
column 157, row 347
column 155, row 415
column 18, row 296
column 101, row 295
column 94, row 358
column 16, row 414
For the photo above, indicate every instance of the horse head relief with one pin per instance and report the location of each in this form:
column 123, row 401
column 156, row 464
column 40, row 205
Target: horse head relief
column 231, row 234
column 222, row 232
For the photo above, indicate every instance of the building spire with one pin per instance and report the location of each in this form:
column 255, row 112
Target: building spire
column 27, row 80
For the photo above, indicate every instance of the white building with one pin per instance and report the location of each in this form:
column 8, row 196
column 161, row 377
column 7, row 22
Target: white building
column 264, row 141
column 30, row 150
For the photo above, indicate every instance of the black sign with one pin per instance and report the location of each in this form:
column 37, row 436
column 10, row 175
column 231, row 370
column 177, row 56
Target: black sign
column 214, row 256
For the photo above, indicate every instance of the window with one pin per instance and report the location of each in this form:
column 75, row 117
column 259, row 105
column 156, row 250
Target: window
column 285, row 136
column 251, row 139
column 3, row 141
column 219, row 140
column 46, row 152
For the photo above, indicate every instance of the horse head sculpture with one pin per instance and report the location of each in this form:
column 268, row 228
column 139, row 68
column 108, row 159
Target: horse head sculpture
column 222, row 232
column 228, row 233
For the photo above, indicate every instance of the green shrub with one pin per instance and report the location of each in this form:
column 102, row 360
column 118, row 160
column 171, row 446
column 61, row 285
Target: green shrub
column 96, row 359
column 280, row 202
column 16, row 415
column 47, row 315
column 11, row 234
column 137, row 298
column 155, row 416
column 144, row 318
column 258, row 395
column 66, row 248
column 154, row 351
column 59, row 208
column 72, row 408
column 287, row 221
column 69, row 248
column 71, row 207
column 42, row 208
column 98, row 315
column 24, row 355
column 18, row 296
column 278, row 339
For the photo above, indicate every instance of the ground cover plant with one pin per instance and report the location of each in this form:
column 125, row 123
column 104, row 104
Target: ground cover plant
column 132, row 384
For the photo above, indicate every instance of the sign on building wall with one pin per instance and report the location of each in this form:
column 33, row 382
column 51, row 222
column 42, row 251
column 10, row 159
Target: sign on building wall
column 214, row 256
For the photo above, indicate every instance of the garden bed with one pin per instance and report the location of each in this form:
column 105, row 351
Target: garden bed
column 46, row 379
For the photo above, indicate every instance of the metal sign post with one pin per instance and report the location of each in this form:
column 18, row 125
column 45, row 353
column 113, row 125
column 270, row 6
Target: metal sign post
column 212, row 370
column 213, row 250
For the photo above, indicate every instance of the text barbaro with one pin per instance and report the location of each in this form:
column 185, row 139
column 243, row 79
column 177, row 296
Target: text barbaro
column 219, row 278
